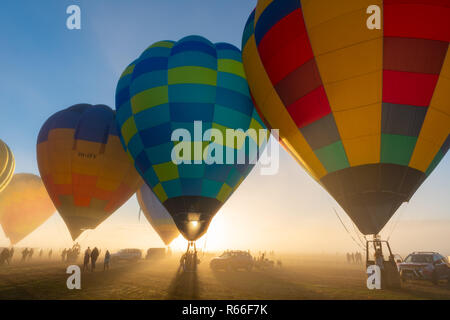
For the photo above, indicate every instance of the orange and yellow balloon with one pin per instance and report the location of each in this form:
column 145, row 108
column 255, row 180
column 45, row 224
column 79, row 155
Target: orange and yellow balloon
column 84, row 167
column 24, row 206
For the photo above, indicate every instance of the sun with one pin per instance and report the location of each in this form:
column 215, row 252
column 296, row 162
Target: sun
column 214, row 240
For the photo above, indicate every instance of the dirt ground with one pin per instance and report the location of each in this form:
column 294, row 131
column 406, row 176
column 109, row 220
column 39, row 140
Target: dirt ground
column 300, row 277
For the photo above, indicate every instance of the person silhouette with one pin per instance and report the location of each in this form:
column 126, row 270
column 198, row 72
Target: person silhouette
column 94, row 256
column 106, row 261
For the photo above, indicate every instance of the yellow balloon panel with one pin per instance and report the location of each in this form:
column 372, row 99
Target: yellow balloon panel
column 343, row 31
column 436, row 127
column 321, row 11
column 351, row 62
column 435, row 131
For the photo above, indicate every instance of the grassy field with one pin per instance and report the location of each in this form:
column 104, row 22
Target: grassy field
column 301, row 277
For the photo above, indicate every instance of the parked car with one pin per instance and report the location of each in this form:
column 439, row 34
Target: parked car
column 127, row 255
column 429, row 266
column 156, row 253
column 232, row 260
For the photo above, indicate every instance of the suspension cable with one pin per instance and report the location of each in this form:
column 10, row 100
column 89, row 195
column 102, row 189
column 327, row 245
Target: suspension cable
column 357, row 234
column 397, row 220
column 337, row 215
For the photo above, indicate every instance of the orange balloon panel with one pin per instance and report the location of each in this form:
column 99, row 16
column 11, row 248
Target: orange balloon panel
column 24, row 206
column 84, row 166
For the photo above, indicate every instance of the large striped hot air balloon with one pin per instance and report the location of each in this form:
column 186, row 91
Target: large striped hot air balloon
column 365, row 111
column 7, row 165
column 83, row 165
column 171, row 85
column 157, row 215
column 24, row 206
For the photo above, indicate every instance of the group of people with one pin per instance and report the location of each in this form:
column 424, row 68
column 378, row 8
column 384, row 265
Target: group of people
column 354, row 257
column 6, row 256
column 27, row 254
column 71, row 254
column 189, row 261
column 91, row 256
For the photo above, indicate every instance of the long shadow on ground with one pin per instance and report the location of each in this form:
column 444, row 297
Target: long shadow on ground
column 184, row 285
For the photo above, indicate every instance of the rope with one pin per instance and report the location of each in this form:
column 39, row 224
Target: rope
column 357, row 233
column 397, row 220
column 337, row 215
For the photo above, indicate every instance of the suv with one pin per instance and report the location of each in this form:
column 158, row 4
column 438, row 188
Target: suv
column 232, row 260
column 127, row 254
column 425, row 266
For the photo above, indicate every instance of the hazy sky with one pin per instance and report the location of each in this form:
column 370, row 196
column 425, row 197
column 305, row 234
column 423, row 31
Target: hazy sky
column 46, row 67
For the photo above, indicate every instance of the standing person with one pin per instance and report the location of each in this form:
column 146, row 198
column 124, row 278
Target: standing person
column 11, row 253
column 106, row 261
column 4, row 256
column 69, row 255
column 94, row 257
column 87, row 255
column 50, row 253
column 30, row 254
column 25, row 254
column 63, row 255
column 183, row 261
column 379, row 259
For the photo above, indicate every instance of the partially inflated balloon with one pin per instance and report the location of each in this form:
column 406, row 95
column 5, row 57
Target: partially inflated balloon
column 83, row 165
column 171, row 85
column 7, row 165
column 24, row 206
column 365, row 111
column 157, row 215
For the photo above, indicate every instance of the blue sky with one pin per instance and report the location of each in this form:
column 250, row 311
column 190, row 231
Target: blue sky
column 45, row 67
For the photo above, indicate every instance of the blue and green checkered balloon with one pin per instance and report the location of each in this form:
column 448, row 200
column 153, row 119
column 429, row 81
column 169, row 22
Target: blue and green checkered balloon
column 171, row 85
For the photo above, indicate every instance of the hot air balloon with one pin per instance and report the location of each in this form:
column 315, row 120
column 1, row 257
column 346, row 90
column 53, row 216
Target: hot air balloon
column 365, row 111
column 83, row 165
column 157, row 215
column 24, row 206
column 171, row 85
column 7, row 165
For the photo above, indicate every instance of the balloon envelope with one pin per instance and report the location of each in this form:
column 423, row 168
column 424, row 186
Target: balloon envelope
column 157, row 215
column 24, row 206
column 365, row 111
column 171, row 85
column 84, row 166
column 7, row 165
